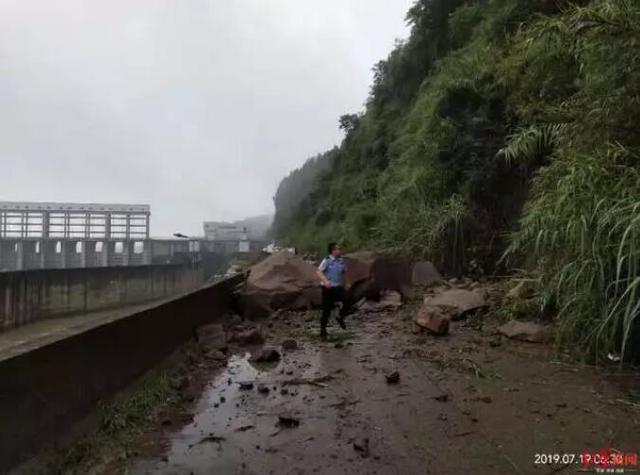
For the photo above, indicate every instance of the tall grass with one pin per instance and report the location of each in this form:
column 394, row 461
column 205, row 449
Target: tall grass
column 580, row 230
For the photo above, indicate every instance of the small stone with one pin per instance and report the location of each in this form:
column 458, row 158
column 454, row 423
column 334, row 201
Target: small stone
column 262, row 389
column 362, row 446
column 393, row 378
column 267, row 355
column 246, row 385
column 288, row 421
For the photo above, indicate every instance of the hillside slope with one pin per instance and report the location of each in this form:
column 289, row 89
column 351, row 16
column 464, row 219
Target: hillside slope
column 502, row 131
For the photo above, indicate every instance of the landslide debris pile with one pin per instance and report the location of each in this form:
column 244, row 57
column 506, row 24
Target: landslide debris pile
column 502, row 128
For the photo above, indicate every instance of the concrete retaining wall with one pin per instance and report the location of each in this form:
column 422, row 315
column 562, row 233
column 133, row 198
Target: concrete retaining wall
column 28, row 296
column 43, row 392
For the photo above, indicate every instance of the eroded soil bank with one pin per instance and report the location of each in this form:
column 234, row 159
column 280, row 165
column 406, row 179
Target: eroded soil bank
column 469, row 402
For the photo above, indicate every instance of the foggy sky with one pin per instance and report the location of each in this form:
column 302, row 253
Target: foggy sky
column 196, row 107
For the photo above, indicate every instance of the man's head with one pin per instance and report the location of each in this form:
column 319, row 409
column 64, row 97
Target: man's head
column 334, row 249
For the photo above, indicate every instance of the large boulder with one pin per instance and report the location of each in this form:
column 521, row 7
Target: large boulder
column 425, row 274
column 525, row 331
column 371, row 273
column 457, row 303
column 281, row 281
column 432, row 319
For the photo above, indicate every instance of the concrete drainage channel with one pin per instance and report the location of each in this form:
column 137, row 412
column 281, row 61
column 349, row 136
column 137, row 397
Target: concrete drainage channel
column 45, row 390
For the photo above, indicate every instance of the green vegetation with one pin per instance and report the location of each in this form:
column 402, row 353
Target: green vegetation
column 502, row 133
column 118, row 423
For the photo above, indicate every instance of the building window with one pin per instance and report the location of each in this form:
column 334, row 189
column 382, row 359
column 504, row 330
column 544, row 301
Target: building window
column 118, row 247
column 79, row 247
column 37, row 247
column 58, row 247
column 138, row 247
column 99, row 246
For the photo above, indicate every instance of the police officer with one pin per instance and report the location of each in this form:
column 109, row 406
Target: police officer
column 332, row 274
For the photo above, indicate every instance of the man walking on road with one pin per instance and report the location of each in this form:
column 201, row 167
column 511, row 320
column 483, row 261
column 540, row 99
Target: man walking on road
column 332, row 274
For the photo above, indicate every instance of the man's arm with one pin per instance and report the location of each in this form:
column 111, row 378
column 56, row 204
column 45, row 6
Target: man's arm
column 320, row 273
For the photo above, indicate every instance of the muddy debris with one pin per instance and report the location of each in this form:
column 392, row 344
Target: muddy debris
column 212, row 336
column 444, row 397
column 263, row 389
column 268, row 354
column 180, row 383
column 290, row 345
column 393, row 377
column 246, row 385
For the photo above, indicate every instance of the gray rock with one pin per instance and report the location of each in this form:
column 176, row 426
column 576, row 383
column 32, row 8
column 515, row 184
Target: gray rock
column 525, row 331
column 424, row 273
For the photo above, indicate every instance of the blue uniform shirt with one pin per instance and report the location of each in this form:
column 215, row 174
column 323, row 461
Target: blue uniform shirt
column 333, row 268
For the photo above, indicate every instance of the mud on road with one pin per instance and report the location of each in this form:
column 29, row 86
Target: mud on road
column 468, row 403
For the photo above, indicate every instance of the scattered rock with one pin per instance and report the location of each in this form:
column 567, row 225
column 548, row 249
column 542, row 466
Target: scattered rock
column 524, row 290
column 216, row 355
column 268, row 354
column 485, row 399
column 209, row 438
column 525, row 331
column 425, row 274
column 288, row 421
column 339, row 345
column 212, row 336
column 457, row 302
column 252, row 336
column 262, row 389
column 245, row 428
column 246, row 386
column 390, row 299
column 289, row 345
column 444, row 397
column 362, row 446
column 393, row 378
column 432, row 319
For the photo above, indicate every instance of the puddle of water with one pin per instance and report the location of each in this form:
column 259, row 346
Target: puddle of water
column 229, row 422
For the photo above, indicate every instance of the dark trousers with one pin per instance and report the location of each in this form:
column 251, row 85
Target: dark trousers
column 329, row 299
